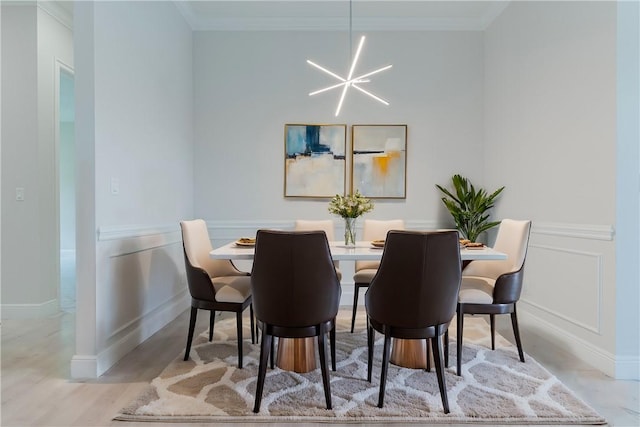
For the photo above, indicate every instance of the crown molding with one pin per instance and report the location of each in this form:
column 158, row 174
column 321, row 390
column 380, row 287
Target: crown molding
column 339, row 23
column 62, row 14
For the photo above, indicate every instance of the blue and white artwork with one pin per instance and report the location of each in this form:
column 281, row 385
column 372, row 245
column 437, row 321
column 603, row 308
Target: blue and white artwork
column 314, row 160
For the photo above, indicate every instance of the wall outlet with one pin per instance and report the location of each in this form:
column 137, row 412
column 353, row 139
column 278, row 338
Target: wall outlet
column 20, row 194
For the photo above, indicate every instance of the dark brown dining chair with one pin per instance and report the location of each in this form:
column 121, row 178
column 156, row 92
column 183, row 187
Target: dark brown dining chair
column 325, row 225
column 494, row 287
column 414, row 296
column 372, row 229
column 215, row 285
column 296, row 294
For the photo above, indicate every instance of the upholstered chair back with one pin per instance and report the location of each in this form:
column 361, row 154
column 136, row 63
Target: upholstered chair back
column 512, row 239
column 293, row 280
column 197, row 245
column 418, row 280
column 374, row 229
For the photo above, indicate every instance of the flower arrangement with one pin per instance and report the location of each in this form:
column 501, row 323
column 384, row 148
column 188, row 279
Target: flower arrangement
column 350, row 207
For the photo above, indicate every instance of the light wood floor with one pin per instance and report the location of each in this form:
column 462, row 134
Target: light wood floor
column 37, row 391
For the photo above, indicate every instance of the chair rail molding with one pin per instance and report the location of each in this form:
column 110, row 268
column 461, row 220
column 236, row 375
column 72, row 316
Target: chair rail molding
column 581, row 231
column 118, row 232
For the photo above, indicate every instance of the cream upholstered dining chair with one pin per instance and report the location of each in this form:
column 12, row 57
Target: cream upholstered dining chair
column 494, row 287
column 365, row 270
column 215, row 285
column 325, row 225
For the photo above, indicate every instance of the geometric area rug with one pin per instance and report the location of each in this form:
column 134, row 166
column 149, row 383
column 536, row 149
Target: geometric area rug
column 494, row 388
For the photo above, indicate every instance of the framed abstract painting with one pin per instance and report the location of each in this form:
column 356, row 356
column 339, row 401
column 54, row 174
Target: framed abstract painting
column 314, row 160
column 379, row 161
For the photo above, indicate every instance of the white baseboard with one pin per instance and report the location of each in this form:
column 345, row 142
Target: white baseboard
column 30, row 311
column 627, row 368
column 556, row 337
column 84, row 367
column 147, row 326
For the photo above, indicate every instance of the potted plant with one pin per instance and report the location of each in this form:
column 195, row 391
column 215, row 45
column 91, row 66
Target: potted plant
column 469, row 207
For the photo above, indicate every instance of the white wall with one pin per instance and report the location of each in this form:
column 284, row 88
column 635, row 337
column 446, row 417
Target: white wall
column 134, row 76
column 32, row 40
column 250, row 84
column 19, row 149
column 550, row 137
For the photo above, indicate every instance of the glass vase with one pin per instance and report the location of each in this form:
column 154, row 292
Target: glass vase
column 350, row 231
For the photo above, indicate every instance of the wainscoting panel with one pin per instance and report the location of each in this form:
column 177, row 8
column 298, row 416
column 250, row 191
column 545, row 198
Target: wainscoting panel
column 140, row 287
column 553, row 278
column 568, row 298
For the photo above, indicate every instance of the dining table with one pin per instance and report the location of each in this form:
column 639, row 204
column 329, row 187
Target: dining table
column 298, row 354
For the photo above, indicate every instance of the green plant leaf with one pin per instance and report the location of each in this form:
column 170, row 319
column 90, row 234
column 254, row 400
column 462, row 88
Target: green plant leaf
column 469, row 206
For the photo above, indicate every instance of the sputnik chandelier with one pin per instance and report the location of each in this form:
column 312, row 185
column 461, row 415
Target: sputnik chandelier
column 350, row 81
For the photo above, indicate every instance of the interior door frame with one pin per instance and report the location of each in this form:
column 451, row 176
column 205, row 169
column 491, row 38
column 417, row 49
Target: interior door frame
column 60, row 68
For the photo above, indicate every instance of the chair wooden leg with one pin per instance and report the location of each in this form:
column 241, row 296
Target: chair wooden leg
column 212, row 318
column 239, row 328
column 460, row 325
column 273, row 353
column 370, row 339
column 385, row 367
column 262, row 368
column 492, row 318
column 428, row 369
column 437, row 359
column 322, row 349
column 446, row 348
column 332, row 344
column 356, row 290
column 192, row 326
column 253, row 333
column 516, row 333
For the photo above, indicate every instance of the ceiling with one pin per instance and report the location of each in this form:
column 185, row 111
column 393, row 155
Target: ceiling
column 327, row 15
column 391, row 15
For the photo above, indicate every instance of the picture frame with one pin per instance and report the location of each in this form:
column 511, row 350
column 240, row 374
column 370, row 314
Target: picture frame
column 379, row 161
column 314, row 160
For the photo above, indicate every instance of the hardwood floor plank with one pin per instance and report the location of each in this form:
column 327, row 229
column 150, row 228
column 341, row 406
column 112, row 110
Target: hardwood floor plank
column 37, row 391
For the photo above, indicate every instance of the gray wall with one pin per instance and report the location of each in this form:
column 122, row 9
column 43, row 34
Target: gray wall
column 134, row 121
column 550, row 136
column 33, row 43
column 262, row 82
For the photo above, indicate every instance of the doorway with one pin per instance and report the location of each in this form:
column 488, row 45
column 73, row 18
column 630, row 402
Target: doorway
column 66, row 188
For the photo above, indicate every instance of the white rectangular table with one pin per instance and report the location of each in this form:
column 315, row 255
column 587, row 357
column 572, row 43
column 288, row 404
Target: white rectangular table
column 407, row 353
column 363, row 251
